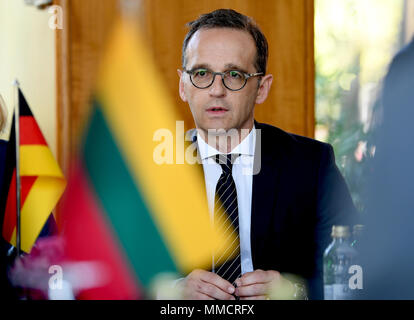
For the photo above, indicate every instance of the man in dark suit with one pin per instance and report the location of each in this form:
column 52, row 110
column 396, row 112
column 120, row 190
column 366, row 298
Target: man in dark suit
column 281, row 192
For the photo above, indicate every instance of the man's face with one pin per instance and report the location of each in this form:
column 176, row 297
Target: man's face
column 220, row 50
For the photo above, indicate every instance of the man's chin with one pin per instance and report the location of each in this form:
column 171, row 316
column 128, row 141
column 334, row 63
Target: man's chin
column 210, row 126
column 218, row 131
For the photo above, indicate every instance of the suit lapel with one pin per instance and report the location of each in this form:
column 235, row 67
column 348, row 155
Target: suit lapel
column 264, row 191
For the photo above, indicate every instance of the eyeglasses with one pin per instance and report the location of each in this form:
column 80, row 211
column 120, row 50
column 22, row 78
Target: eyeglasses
column 233, row 80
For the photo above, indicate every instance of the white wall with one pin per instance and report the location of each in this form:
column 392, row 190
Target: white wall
column 27, row 52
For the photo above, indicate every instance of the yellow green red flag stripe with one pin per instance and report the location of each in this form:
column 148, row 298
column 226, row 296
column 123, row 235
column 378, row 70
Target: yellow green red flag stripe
column 123, row 202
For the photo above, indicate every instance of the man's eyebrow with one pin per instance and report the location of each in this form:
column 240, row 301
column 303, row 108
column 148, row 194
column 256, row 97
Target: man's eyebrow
column 201, row 66
column 228, row 66
column 232, row 66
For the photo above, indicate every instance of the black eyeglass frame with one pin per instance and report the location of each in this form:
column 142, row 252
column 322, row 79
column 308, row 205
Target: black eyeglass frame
column 222, row 74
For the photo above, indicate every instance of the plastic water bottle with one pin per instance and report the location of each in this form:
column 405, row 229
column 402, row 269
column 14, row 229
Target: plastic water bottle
column 337, row 259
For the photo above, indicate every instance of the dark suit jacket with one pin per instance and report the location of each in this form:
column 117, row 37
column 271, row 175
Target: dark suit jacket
column 297, row 196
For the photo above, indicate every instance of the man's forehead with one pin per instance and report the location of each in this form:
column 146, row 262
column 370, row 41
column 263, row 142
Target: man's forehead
column 204, row 34
column 233, row 46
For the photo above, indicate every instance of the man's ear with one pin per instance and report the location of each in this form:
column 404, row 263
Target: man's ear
column 181, row 85
column 264, row 88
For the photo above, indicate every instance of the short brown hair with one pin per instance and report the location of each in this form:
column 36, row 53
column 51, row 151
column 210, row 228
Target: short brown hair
column 228, row 18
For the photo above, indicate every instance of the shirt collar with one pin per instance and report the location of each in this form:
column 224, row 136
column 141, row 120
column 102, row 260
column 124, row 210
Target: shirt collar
column 246, row 147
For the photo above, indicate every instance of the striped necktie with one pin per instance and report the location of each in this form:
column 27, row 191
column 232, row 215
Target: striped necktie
column 227, row 265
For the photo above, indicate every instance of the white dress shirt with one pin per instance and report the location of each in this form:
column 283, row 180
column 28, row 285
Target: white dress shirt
column 243, row 178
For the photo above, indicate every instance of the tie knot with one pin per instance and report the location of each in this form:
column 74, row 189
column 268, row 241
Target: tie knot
column 226, row 161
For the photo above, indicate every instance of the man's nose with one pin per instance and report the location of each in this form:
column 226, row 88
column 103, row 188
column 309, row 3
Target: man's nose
column 217, row 88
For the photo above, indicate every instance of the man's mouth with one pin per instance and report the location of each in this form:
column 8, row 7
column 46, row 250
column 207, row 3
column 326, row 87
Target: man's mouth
column 217, row 110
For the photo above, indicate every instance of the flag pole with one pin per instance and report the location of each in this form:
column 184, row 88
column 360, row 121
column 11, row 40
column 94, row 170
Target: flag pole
column 18, row 188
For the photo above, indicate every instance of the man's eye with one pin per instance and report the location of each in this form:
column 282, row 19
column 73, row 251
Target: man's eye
column 200, row 73
column 235, row 74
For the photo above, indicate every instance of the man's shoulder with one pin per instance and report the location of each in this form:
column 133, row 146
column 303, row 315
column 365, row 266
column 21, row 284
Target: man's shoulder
column 277, row 137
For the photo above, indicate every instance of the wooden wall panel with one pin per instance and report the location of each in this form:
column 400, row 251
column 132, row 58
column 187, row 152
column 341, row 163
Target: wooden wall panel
column 79, row 46
column 287, row 24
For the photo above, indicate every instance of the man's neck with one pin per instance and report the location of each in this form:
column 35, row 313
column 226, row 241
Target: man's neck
column 224, row 141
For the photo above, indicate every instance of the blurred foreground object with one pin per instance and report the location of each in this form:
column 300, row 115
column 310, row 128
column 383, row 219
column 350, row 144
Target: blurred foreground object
column 291, row 287
column 124, row 211
column 386, row 246
column 165, row 287
column 30, row 273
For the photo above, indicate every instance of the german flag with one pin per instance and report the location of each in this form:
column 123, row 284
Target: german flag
column 42, row 181
column 134, row 217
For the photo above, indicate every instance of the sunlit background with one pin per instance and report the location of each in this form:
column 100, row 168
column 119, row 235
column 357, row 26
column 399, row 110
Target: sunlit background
column 354, row 43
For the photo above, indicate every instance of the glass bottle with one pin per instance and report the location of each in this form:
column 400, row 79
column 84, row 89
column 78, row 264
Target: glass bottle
column 337, row 259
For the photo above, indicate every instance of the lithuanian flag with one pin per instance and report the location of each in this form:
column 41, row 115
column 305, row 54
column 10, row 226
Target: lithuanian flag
column 42, row 181
column 132, row 216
